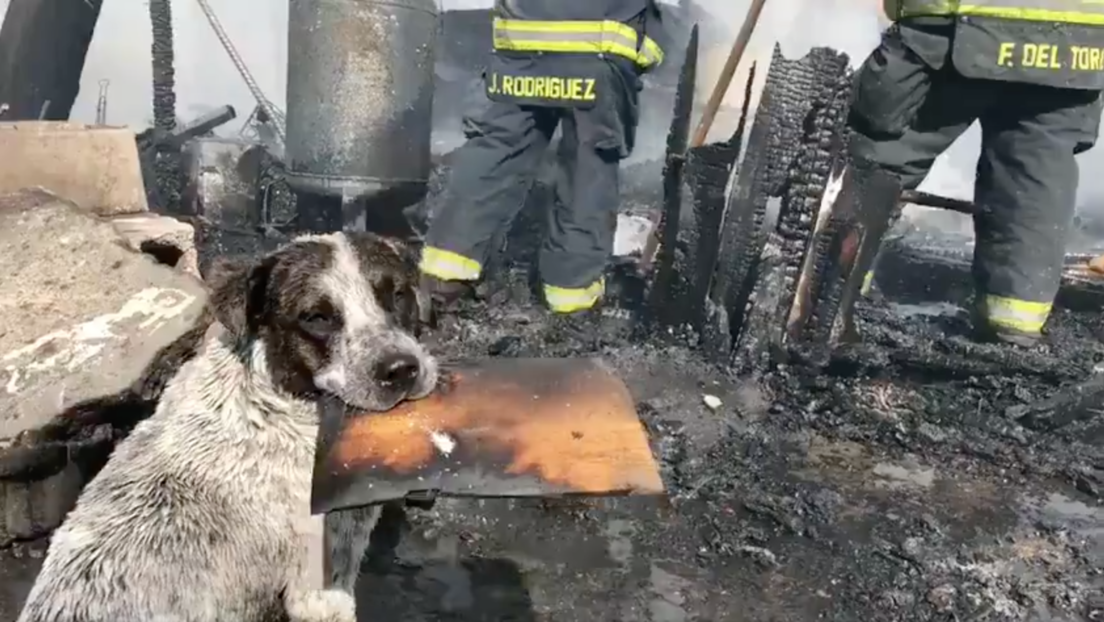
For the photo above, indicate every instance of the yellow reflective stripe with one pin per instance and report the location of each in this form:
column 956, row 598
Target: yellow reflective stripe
column 448, row 266
column 1021, row 315
column 867, row 283
column 899, row 9
column 1033, row 15
column 585, row 37
column 570, row 300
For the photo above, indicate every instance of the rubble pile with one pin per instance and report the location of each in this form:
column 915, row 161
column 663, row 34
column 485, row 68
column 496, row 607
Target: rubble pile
column 918, row 476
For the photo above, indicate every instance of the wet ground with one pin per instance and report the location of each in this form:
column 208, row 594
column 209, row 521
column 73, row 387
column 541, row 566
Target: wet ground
column 904, row 483
column 915, row 479
column 891, row 491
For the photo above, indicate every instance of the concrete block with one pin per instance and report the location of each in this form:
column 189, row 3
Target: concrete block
column 95, row 167
column 169, row 240
column 81, row 316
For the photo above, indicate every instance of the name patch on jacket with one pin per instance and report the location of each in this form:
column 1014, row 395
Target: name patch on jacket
column 550, row 80
column 1048, row 54
column 1050, row 57
column 555, row 89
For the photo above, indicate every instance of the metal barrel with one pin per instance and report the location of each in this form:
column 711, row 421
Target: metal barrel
column 360, row 98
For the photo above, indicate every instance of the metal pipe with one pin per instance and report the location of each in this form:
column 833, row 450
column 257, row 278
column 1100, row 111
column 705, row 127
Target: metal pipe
column 928, row 199
column 101, row 103
column 200, row 126
column 274, row 114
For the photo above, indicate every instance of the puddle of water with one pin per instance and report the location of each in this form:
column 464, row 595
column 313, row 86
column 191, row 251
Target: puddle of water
column 903, row 476
column 1086, row 522
column 931, row 309
column 619, row 544
column 668, row 589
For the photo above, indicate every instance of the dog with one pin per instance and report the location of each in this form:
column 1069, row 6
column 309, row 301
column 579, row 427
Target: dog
column 199, row 513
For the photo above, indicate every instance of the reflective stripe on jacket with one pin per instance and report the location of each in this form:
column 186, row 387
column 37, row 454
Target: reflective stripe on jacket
column 581, row 37
column 1060, row 11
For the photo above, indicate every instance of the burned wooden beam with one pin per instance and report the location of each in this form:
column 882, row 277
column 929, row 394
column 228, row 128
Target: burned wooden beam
column 667, row 230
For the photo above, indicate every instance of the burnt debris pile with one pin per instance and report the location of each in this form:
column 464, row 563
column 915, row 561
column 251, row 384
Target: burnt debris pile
column 732, row 257
column 914, row 475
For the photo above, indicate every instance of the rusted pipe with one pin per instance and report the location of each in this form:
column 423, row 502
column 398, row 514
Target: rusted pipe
column 720, row 89
column 928, row 199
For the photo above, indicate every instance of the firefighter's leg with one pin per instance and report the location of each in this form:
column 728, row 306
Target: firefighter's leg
column 1026, row 190
column 493, row 171
column 904, row 114
column 583, row 221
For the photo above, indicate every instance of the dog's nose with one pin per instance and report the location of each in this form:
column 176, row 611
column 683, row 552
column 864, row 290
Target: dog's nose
column 398, row 372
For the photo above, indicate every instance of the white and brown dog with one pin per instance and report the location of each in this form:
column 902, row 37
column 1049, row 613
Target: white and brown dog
column 198, row 516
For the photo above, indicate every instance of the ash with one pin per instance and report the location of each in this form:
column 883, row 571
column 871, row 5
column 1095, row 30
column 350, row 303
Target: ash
column 918, row 477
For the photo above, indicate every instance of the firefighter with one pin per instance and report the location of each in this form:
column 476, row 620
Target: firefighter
column 572, row 64
column 1031, row 72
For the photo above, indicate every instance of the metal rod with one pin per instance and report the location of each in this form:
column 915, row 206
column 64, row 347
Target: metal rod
column 274, row 115
column 928, row 199
column 720, row 89
column 101, row 103
column 200, row 126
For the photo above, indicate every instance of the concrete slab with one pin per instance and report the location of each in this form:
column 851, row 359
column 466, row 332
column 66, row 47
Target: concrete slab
column 95, row 167
column 169, row 240
column 81, row 314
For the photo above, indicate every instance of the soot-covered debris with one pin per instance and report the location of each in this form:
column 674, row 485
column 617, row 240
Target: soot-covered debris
column 915, row 476
column 899, row 484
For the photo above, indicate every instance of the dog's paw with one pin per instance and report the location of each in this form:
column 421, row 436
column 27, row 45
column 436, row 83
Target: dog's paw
column 322, row 606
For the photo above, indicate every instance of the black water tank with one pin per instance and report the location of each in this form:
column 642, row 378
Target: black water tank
column 360, row 98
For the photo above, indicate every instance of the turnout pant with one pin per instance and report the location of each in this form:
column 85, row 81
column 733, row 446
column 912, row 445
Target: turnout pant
column 905, row 113
column 495, row 169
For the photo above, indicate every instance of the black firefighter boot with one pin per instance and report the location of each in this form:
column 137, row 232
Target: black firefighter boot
column 986, row 331
column 605, row 322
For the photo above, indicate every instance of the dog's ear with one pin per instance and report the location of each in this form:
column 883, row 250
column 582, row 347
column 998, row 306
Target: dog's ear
column 418, row 311
column 413, row 310
column 238, row 292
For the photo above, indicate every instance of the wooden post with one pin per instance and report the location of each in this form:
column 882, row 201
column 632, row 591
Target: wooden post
column 709, row 114
column 720, row 89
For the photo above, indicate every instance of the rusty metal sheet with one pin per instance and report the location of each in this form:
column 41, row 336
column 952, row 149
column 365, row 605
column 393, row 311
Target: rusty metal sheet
column 495, row 428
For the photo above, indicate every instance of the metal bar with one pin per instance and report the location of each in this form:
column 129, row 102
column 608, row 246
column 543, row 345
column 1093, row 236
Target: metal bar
column 934, row 200
column 200, row 126
column 720, row 89
column 273, row 113
column 101, row 103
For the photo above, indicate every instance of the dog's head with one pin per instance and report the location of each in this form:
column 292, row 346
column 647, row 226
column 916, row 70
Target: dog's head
column 335, row 313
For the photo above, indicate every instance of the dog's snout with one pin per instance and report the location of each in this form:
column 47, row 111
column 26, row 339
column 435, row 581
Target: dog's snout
column 398, row 372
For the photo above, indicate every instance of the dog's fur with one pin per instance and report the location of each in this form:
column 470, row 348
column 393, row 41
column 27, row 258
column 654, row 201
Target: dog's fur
column 199, row 514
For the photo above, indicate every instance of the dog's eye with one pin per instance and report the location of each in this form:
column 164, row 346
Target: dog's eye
column 318, row 324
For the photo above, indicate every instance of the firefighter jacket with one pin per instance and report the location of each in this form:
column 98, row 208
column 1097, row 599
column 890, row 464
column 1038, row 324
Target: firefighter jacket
column 571, row 53
column 620, row 28
column 1050, row 42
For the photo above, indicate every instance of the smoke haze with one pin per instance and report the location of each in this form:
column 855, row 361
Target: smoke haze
column 120, row 53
